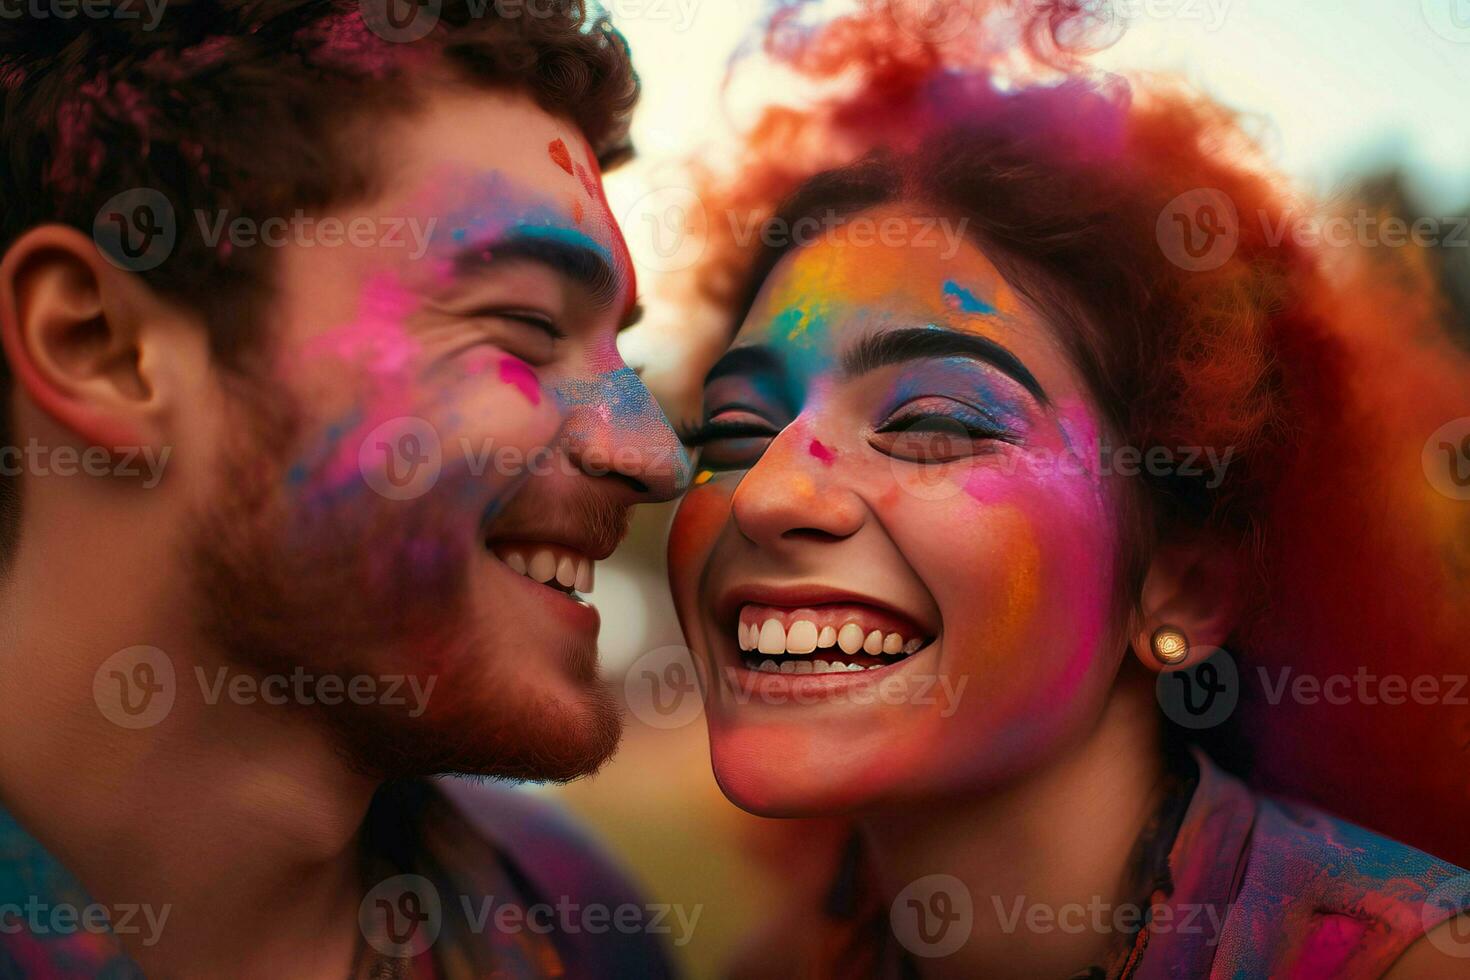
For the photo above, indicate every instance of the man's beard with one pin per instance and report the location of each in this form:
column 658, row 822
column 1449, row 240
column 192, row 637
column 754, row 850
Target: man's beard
column 342, row 588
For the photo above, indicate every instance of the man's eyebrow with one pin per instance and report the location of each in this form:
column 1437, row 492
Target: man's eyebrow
column 916, row 343
column 754, row 359
column 574, row 256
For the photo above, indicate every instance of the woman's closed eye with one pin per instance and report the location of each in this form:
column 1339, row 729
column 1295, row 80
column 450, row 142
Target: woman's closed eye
column 731, row 437
column 937, row 430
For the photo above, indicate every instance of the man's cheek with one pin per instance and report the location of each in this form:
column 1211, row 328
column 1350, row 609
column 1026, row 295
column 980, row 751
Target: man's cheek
column 500, row 425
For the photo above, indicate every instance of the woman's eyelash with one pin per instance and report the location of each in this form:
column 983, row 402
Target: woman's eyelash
column 975, row 426
column 708, row 431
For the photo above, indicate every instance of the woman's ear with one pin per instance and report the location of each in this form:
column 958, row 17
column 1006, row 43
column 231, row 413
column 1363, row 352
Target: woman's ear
column 1190, row 603
column 75, row 335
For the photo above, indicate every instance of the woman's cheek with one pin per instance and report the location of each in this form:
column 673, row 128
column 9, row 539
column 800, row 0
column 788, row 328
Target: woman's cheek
column 701, row 517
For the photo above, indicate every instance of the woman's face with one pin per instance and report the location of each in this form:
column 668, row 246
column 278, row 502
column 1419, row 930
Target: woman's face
column 896, row 568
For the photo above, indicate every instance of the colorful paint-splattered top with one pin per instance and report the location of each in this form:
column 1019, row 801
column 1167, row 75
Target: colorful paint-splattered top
column 1233, row 886
column 469, row 880
column 1299, row 894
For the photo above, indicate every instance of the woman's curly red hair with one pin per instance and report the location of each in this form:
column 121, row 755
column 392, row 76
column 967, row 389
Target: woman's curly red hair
column 1323, row 370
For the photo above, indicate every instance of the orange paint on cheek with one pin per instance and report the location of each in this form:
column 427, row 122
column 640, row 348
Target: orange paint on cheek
column 560, row 155
column 1017, row 594
column 700, row 519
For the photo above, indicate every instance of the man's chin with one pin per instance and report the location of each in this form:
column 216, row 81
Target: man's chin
column 526, row 734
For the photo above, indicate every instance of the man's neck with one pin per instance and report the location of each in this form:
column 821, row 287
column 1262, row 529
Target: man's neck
column 1037, row 850
column 236, row 822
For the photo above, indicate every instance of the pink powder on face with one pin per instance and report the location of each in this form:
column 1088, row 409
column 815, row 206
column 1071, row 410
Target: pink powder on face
column 826, row 455
column 377, row 338
column 378, row 345
column 517, row 372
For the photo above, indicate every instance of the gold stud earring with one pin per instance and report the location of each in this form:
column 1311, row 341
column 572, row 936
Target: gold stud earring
column 1170, row 645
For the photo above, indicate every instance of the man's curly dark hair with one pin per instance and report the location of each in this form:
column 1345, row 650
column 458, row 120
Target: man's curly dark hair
column 257, row 108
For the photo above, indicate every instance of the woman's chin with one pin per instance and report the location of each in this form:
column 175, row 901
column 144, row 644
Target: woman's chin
column 758, row 776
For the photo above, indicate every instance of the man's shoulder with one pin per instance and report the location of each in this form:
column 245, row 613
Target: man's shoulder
column 557, row 863
column 538, row 836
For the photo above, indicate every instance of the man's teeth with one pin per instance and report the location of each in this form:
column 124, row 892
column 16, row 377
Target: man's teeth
column 547, row 565
column 803, row 637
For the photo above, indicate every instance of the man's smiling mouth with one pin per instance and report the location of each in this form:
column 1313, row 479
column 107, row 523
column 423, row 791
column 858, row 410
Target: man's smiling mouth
column 556, row 566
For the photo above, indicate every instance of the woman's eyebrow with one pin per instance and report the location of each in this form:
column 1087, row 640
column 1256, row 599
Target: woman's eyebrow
column 916, row 343
column 753, row 359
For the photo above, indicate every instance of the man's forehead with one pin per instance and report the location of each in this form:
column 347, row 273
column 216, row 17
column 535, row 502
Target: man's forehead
column 487, row 165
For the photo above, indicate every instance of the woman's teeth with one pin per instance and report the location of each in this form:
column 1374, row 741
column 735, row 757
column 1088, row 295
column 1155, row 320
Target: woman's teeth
column 803, row 637
column 765, row 641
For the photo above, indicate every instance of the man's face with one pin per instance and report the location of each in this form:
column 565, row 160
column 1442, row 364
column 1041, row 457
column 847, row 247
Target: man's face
column 448, row 443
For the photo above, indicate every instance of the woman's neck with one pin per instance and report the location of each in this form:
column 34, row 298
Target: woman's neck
column 1045, row 859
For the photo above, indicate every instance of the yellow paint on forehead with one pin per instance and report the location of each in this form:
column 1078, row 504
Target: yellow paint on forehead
column 815, row 279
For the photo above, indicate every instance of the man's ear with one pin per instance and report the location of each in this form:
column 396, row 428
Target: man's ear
column 75, row 331
column 1194, row 587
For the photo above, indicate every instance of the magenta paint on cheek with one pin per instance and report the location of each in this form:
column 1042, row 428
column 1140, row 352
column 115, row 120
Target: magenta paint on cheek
column 376, row 340
column 377, row 346
column 514, row 371
column 825, row 454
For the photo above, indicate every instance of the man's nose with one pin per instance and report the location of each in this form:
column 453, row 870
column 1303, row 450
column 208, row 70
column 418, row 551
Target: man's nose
column 615, row 429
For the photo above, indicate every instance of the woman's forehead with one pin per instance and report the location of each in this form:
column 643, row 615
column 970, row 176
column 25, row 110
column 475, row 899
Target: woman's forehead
column 847, row 276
